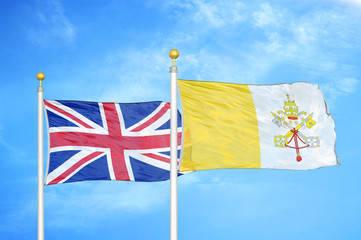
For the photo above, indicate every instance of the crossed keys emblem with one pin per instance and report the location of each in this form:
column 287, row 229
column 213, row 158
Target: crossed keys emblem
column 294, row 121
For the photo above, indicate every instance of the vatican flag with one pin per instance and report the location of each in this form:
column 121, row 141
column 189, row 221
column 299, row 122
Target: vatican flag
column 283, row 126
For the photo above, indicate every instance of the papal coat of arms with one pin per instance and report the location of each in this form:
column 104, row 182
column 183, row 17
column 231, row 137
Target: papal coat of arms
column 295, row 122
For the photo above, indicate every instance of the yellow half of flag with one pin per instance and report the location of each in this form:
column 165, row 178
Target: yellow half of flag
column 220, row 125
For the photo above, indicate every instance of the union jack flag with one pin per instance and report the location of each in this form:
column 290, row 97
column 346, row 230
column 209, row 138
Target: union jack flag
column 108, row 141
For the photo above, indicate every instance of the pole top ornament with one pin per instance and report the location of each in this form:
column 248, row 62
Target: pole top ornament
column 40, row 76
column 173, row 54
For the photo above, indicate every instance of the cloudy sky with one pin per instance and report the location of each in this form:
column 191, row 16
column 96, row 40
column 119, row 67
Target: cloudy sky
column 118, row 51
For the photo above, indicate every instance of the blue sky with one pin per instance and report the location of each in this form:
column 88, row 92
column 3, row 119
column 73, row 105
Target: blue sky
column 118, row 51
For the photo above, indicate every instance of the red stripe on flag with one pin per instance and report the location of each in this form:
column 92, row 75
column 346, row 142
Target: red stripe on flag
column 162, row 111
column 157, row 157
column 74, row 167
column 116, row 141
column 52, row 106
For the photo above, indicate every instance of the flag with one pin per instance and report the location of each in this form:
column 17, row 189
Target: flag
column 283, row 126
column 108, row 141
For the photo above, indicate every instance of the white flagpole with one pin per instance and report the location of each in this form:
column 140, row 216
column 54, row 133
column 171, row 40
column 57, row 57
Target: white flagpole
column 40, row 76
column 173, row 148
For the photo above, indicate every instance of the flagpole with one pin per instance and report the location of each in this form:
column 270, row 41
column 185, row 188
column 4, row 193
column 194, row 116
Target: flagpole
column 40, row 76
column 173, row 148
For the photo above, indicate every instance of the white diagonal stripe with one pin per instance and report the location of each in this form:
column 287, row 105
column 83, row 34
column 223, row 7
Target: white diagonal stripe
column 74, row 113
column 148, row 117
column 69, row 163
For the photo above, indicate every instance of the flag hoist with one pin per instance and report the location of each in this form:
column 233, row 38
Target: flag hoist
column 173, row 148
column 40, row 76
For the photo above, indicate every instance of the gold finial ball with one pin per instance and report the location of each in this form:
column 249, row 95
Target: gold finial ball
column 40, row 76
column 173, row 53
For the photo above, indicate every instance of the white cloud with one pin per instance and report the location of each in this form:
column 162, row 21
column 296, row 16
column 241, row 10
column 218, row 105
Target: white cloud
column 268, row 16
column 214, row 14
column 218, row 15
column 284, row 37
column 132, row 75
column 348, row 85
column 122, row 75
column 338, row 87
column 304, row 34
column 352, row 2
column 52, row 24
column 311, row 41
